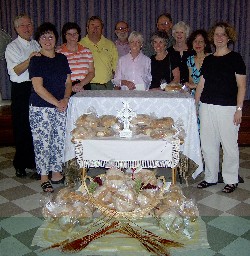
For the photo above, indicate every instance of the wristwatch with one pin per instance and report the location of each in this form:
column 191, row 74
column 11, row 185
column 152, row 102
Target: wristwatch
column 238, row 108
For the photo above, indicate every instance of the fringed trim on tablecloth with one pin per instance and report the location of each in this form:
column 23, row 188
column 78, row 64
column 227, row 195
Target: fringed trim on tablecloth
column 128, row 163
column 125, row 164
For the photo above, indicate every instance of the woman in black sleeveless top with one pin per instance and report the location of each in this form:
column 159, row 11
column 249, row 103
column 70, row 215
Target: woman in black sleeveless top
column 164, row 67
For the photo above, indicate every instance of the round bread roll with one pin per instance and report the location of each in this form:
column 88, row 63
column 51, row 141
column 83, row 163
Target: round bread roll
column 102, row 194
column 107, row 120
column 82, row 211
column 171, row 220
column 164, row 122
column 162, row 133
column 104, row 132
column 87, row 120
column 146, row 130
column 146, row 176
column 114, row 181
column 144, row 199
column 173, row 87
column 82, row 133
column 189, row 210
column 173, row 200
column 124, row 202
column 141, row 120
column 160, row 209
column 114, row 178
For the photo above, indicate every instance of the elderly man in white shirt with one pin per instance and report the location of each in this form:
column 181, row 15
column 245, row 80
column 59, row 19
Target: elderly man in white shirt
column 133, row 71
column 18, row 54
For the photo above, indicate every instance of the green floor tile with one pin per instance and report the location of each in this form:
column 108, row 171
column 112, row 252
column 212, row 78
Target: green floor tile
column 218, row 238
column 239, row 247
column 232, row 224
column 12, row 247
column 246, row 235
column 4, row 234
column 27, row 237
column 17, row 225
column 198, row 252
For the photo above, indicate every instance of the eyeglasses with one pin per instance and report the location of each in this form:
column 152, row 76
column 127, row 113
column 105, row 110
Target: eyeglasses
column 73, row 34
column 164, row 24
column 43, row 38
column 122, row 29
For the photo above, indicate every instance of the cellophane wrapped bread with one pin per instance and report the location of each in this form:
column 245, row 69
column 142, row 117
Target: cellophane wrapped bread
column 173, row 87
column 142, row 120
column 89, row 126
column 68, row 208
column 82, row 133
column 87, row 121
column 108, row 121
column 161, row 133
column 123, row 193
column 162, row 123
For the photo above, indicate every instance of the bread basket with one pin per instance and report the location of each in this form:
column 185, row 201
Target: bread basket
column 136, row 214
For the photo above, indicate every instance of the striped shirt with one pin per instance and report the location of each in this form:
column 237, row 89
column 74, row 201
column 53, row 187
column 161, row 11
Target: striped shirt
column 78, row 61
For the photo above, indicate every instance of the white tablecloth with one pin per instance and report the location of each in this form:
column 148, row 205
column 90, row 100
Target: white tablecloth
column 162, row 104
column 127, row 153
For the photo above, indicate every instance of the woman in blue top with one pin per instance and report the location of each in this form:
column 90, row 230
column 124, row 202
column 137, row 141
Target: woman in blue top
column 199, row 44
column 50, row 76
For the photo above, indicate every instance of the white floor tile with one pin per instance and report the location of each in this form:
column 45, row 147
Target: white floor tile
column 219, row 202
column 25, row 202
column 8, row 183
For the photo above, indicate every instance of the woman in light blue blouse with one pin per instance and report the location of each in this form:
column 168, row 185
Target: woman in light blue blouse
column 199, row 44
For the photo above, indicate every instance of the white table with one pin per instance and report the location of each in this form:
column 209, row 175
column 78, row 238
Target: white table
column 162, row 104
column 127, row 153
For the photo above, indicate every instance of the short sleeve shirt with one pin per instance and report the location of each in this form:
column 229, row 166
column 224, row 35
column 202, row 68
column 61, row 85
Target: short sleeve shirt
column 54, row 73
column 220, row 86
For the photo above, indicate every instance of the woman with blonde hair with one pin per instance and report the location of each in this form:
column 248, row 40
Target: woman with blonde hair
column 180, row 32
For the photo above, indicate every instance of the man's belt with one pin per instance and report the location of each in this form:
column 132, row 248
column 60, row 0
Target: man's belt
column 99, row 83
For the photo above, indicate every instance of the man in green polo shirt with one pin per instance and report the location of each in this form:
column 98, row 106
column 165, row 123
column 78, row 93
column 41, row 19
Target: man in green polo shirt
column 104, row 53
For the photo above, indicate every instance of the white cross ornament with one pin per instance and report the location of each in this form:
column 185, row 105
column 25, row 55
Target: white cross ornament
column 125, row 115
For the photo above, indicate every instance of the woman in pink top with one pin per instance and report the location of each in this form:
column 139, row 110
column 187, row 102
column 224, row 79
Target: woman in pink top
column 79, row 57
column 133, row 71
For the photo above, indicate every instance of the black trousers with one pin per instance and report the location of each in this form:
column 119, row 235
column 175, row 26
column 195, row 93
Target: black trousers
column 20, row 95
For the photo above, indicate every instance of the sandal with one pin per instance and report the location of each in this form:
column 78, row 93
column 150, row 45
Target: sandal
column 61, row 181
column 229, row 188
column 205, row 184
column 47, row 187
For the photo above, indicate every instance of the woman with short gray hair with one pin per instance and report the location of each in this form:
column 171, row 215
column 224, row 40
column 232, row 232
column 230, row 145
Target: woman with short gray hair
column 164, row 67
column 133, row 71
column 135, row 35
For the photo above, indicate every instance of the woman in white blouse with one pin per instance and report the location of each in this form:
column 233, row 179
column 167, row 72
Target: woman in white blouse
column 133, row 71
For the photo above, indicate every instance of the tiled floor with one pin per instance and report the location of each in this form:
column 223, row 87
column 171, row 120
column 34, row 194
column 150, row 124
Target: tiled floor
column 227, row 216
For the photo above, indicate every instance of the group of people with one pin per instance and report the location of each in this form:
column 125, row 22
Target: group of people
column 44, row 77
